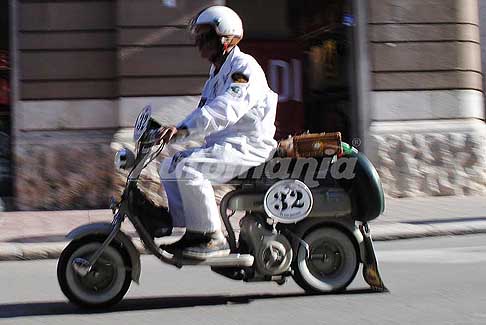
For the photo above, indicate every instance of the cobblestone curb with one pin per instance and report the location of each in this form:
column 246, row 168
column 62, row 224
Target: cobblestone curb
column 397, row 231
column 37, row 251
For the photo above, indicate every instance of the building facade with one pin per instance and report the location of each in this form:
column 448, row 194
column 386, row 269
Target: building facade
column 428, row 112
column 401, row 80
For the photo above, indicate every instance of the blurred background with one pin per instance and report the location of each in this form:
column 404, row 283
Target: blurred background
column 402, row 81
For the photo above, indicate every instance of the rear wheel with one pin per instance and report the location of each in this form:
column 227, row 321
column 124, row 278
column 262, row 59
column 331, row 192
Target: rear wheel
column 104, row 285
column 332, row 263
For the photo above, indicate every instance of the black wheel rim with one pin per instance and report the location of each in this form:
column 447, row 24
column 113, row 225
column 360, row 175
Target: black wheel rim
column 100, row 278
column 326, row 259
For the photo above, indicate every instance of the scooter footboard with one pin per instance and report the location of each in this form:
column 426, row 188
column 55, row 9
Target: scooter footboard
column 104, row 229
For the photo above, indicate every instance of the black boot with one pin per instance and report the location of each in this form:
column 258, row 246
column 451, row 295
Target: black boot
column 214, row 245
column 190, row 238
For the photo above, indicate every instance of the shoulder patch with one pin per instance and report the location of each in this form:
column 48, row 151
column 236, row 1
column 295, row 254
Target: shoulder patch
column 236, row 90
column 239, row 77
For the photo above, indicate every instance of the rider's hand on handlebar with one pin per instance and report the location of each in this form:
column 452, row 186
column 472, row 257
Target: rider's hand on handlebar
column 166, row 133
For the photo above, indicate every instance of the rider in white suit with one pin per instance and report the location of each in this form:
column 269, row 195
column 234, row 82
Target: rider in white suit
column 236, row 117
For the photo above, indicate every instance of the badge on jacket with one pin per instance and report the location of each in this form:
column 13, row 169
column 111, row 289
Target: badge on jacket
column 237, row 90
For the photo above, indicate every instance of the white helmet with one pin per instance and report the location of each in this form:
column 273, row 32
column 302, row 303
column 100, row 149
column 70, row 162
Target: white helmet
column 224, row 20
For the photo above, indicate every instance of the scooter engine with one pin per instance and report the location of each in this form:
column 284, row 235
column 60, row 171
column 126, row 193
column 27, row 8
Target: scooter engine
column 272, row 251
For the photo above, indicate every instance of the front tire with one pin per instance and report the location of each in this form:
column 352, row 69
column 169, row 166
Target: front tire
column 107, row 282
column 332, row 264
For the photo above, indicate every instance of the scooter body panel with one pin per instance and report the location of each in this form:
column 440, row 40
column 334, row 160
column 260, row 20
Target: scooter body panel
column 328, row 202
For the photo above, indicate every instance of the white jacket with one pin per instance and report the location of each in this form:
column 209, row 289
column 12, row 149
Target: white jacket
column 238, row 108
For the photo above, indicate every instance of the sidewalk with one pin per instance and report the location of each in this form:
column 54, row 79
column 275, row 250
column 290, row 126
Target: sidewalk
column 41, row 234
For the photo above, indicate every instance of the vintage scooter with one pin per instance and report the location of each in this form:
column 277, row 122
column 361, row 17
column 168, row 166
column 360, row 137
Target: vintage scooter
column 319, row 235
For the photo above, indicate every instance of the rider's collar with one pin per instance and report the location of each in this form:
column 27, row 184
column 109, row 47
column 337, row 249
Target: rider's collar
column 231, row 54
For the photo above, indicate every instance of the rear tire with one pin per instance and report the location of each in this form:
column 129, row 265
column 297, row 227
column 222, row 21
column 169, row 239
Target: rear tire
column 105, row 285
column 332, row 265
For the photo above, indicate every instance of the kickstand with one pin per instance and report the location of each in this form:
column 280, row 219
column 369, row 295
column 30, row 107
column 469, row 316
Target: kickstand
column 370, row 265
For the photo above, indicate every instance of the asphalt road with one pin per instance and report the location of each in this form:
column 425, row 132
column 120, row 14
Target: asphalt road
column 431, row 281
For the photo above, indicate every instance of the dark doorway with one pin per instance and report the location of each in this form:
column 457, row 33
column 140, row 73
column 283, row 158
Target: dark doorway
column 5, row 118
column 306, row 50
column 324, row 29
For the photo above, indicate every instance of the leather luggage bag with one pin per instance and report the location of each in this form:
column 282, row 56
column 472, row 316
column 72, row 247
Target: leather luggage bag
column 311, row 145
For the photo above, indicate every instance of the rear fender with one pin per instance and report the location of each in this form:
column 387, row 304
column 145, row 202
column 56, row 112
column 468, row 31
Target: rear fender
column 346, row 225
column 103, row 229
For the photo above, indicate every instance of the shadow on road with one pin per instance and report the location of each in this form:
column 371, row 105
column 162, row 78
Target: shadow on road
column 134, row 304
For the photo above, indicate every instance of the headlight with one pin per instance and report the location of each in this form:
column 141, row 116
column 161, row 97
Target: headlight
column 124, row 159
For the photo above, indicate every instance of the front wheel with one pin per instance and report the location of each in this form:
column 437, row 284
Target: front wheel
column 107, row 281
column 331, row 265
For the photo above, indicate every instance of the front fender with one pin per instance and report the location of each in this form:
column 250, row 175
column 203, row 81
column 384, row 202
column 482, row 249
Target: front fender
column 103, row 229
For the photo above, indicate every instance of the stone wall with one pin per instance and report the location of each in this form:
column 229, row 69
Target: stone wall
column 63, row 170
column 431, row 158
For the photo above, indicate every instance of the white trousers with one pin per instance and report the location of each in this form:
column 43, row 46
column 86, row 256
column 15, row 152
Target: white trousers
column 188, row 178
